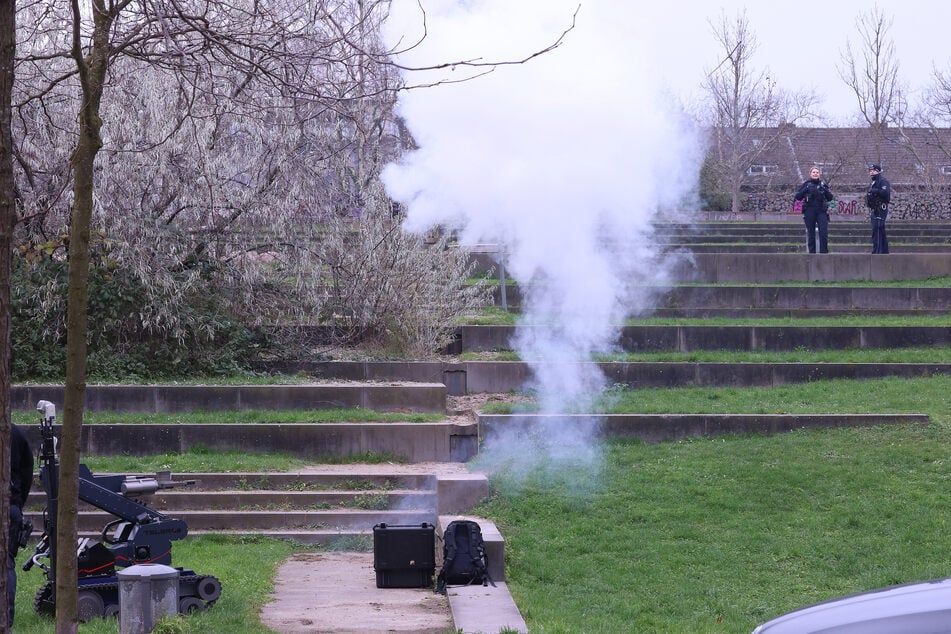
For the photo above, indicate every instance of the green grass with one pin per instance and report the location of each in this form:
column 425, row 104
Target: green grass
column 937, row 281
column 718, row 535
column 889, row 395
column 255, row 416
column 195, row 461
column 839, row 320
column 245, row 567
column 499, row 317
column 198, row 460
column 854, row 355
column 240, row 379
column 703, row 535
column 883, row 396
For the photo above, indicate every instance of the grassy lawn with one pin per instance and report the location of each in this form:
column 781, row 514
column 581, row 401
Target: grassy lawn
column 245, row 567
column 718, row 535
column 889, row 395
column 499, row 317
column 940, row 354
column 695, row 536
column 251, row 416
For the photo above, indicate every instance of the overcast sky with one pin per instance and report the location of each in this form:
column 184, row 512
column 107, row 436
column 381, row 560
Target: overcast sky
column 800, row 43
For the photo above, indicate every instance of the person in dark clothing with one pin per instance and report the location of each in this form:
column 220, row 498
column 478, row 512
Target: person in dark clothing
column 815, row 196
column 877, row 198
column 21, row 479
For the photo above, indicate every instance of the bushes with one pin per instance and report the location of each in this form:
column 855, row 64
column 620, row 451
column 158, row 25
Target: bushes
column 207, row 340
column 391, row 291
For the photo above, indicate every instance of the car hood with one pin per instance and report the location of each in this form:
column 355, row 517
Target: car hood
column 914, row 608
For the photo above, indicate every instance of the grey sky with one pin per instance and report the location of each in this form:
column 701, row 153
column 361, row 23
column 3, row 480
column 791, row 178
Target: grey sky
column 799, row 43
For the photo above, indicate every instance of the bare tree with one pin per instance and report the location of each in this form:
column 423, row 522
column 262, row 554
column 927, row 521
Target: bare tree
column 872, row 73
column 934, row 115
column 938, row 99
column 749, row 113
column 389, row 289
column 7, row 215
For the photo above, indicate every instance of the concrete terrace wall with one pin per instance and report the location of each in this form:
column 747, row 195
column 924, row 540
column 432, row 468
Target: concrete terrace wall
column 764, row 268
column 747, row 300
column 654, row 338
column 904, row 205
column 507, row 376
column 416, row 442
column 719, row 267
column 416, row 397
column 658, row 428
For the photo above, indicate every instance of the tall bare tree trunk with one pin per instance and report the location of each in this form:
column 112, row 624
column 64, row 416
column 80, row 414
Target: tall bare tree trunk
column 92, row 69
column 7, row 213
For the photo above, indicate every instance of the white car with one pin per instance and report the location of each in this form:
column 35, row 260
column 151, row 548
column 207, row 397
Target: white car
column 914, row 608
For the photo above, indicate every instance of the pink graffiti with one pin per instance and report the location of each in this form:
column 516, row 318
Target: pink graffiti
column 847, row 207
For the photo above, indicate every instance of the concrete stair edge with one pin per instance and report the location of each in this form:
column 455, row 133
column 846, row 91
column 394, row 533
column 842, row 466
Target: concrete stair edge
column 478, row 608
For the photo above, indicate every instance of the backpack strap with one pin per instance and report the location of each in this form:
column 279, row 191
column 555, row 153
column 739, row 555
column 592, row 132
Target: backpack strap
column 448, row 556
column 480, row 559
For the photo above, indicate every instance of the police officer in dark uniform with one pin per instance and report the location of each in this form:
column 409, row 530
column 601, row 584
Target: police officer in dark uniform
column 21, row 479
column 816, row 197
column 877, row 198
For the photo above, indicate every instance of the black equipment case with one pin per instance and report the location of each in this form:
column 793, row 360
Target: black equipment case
column 404, row 556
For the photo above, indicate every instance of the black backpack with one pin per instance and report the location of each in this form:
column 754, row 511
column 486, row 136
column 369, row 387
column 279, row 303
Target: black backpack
column 463, row 556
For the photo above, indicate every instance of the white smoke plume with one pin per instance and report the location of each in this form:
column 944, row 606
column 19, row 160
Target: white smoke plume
column 563, row 161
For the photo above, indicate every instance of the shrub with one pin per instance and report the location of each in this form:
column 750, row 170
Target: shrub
column 121, row 340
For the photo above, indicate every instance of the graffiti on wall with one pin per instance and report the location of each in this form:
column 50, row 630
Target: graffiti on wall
column 848, row 207
column 841, row 206
column 905, row 205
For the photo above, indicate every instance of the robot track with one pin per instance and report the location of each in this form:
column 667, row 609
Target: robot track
column 100, row 598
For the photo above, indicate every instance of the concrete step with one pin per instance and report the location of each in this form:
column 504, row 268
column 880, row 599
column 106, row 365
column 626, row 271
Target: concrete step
column 652, row 338
column 767, row 222
column 841, row 231
column 479, row 608
column 473, row 377
column 754, row 266
column 253, row 512
column 175, row 501
column 785, row 313
column 662, row 427
column 793, row 246
column 356, row 476
column 405, row 397
column 254, row 521
column 448, row 441
column 334, row 539
column 745, row 300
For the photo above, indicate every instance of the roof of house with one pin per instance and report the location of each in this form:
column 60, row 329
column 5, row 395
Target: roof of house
column 911, row 158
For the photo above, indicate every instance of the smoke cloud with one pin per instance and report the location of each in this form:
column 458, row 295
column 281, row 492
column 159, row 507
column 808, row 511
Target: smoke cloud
column 563, row 161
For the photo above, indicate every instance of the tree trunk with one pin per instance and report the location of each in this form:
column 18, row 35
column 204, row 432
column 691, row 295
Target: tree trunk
column 92, row 71
column 7, row 213
column 77, row 327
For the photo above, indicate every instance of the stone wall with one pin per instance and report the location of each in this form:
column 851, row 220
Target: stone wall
column 905, row 205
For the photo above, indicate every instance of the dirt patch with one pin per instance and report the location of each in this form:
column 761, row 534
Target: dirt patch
column 336, row 593
column 474, row 403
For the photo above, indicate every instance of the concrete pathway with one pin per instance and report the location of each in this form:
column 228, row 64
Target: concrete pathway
column 336, row 593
